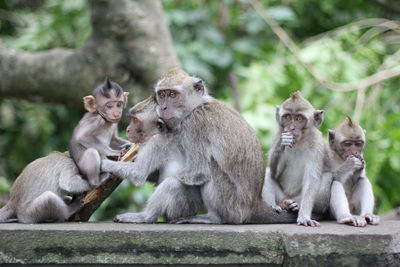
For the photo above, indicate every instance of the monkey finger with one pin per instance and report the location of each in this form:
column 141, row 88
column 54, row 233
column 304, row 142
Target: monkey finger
column 372, row 219
column 308, row 222
column 291, row 205
column 359, row 221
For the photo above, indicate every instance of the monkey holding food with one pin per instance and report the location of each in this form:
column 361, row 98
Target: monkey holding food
column 294, row 180
column 217, row 156
column 352, row 199
column 96, row 135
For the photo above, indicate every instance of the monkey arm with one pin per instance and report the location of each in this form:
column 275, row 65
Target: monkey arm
column 152, row 155
column 274, row 156
column 117, row 142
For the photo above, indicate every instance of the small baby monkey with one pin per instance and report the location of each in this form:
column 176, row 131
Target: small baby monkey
column 96, row 135
column 352, row 199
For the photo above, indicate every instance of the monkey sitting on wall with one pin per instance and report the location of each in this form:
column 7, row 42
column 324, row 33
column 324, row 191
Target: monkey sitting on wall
column 41, row 192
column 294, row 180
column 96, row 135
column 352, row 199
column 215, row 150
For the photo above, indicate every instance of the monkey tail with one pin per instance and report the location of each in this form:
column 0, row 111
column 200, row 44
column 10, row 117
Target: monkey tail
column 264, row 214
column 6, row 213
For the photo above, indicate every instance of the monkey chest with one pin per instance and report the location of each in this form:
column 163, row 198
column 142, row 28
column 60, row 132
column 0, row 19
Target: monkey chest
column 291, row 170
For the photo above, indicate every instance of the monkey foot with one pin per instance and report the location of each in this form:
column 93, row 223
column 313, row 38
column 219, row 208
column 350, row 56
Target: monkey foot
column 356, row 221
column 290, row 205
column 307, row 222
column 132, row 217
column 277, row 208
column 371, row 219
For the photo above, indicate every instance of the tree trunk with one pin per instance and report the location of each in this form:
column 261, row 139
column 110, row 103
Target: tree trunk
column 130, row 43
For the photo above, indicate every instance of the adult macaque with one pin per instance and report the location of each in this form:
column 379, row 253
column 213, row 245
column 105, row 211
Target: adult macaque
column 217, row 154
column 294, row 179
column 42, row 191
column 96, row 135
column 352, row 199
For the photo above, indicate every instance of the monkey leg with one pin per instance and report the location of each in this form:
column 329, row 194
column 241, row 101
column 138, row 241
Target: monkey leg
column 228, row 212
column 340, row 207
column 363, row 200
column 272, row 192
column 6, row 213
column 89, row 165
column 47, row 206
column 73, row 183
column 171, row 200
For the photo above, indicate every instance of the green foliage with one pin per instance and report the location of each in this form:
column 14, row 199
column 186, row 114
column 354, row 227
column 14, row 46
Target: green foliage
column 55, row 24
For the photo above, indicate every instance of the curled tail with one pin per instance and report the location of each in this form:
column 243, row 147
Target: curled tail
column 6, row 213
column 264, row 214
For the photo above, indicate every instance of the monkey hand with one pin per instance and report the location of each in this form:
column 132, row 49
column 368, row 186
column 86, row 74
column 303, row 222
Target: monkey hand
column 371, row 219
column 289, row 205
column 126, row 146
column 355, row 163
column 357, row 221
column 306, row 221
column 287, row 139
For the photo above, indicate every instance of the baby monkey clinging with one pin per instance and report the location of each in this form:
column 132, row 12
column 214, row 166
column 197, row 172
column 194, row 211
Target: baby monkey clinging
column 96, row 135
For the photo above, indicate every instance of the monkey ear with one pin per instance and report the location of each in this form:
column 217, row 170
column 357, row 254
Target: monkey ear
column 278, row 108
column 318, row 117
column 90, row 103
column 199, row 86
column 331, row 134
column 125, row 98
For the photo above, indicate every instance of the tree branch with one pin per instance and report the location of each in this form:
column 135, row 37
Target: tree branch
column 341, row 87
column 130, row 43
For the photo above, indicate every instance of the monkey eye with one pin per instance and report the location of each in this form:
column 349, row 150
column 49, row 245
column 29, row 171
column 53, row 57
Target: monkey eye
column 347, row 144
column 161, row 94
column 135, row 120
column 299, row 118
column 287, row 117
column 120, row 104
column 172, row 94
column 109, row 105
column 359, row 144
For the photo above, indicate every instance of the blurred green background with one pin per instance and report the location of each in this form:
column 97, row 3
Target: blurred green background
column 230, row 46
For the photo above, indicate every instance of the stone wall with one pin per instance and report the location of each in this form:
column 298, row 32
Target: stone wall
column 157, row 244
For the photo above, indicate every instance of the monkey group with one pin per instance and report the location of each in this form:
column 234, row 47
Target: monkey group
column 203, row 155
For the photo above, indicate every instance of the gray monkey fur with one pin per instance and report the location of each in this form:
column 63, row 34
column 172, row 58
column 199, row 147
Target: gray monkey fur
column 41, row 190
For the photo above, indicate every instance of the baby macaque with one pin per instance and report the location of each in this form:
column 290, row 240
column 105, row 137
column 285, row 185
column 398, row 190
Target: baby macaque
column 43, row 190
column 352, row 199
column 294, row 180
column 96, row 135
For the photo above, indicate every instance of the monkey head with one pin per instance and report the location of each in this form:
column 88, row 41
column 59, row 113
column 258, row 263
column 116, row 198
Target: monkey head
column 347, row 139
column 108, row 100
column 144, row 121
column 296, row 115
column 177, row 94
